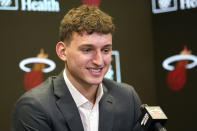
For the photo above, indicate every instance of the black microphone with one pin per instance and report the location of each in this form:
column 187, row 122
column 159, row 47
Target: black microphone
column 152, row 118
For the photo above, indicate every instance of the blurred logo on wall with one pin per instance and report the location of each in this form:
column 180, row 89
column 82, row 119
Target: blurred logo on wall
column 8, row 4
column 188, row 4
column 113, row 72
column 160, row 6
column 31, row 5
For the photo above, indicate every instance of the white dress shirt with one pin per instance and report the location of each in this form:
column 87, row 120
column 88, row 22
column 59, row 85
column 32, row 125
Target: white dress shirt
column 89, row 112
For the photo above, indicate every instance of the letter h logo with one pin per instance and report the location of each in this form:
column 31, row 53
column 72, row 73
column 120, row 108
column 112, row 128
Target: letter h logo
column 8, row 4
column 160, row 6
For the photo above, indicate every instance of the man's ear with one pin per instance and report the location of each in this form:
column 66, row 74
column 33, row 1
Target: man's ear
column 61, row 50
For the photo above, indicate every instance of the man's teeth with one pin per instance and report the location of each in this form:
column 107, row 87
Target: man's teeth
column 95, row 70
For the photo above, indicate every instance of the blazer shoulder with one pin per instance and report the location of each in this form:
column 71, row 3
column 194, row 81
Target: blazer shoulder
column 38, row 94
column 110, row 84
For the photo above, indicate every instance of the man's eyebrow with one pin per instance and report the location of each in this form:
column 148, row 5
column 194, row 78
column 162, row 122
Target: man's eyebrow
column 90, row 45
column 108, row 45
column 86, row 45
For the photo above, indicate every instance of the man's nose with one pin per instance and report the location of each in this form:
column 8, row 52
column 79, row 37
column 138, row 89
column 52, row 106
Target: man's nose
column 98, row 58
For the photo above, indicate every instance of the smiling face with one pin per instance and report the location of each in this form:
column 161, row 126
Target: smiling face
column 88, row 58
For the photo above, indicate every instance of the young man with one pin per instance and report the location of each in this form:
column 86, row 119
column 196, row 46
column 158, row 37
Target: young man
column 80, row 99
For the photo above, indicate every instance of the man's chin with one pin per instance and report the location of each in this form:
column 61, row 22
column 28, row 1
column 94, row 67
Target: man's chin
column 95, row 81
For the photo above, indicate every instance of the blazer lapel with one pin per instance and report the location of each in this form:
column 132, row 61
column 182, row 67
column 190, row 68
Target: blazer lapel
column 106, row 114
column 67, row 105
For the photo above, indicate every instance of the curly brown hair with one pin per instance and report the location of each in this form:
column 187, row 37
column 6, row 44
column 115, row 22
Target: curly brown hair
column 85, row 18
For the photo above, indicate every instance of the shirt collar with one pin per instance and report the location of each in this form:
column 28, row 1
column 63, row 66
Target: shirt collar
column 77, row 96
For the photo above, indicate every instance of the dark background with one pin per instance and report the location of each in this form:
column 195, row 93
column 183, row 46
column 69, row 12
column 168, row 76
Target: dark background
column 143, row 39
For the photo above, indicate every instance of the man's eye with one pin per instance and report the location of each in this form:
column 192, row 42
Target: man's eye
column 106, row 50
column 86, row 50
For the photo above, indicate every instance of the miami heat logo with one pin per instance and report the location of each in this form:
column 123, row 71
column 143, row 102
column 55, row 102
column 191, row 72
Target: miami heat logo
column 177, row 75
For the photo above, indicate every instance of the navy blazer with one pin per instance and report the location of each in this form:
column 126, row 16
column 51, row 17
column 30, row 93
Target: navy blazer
column 50, row 107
